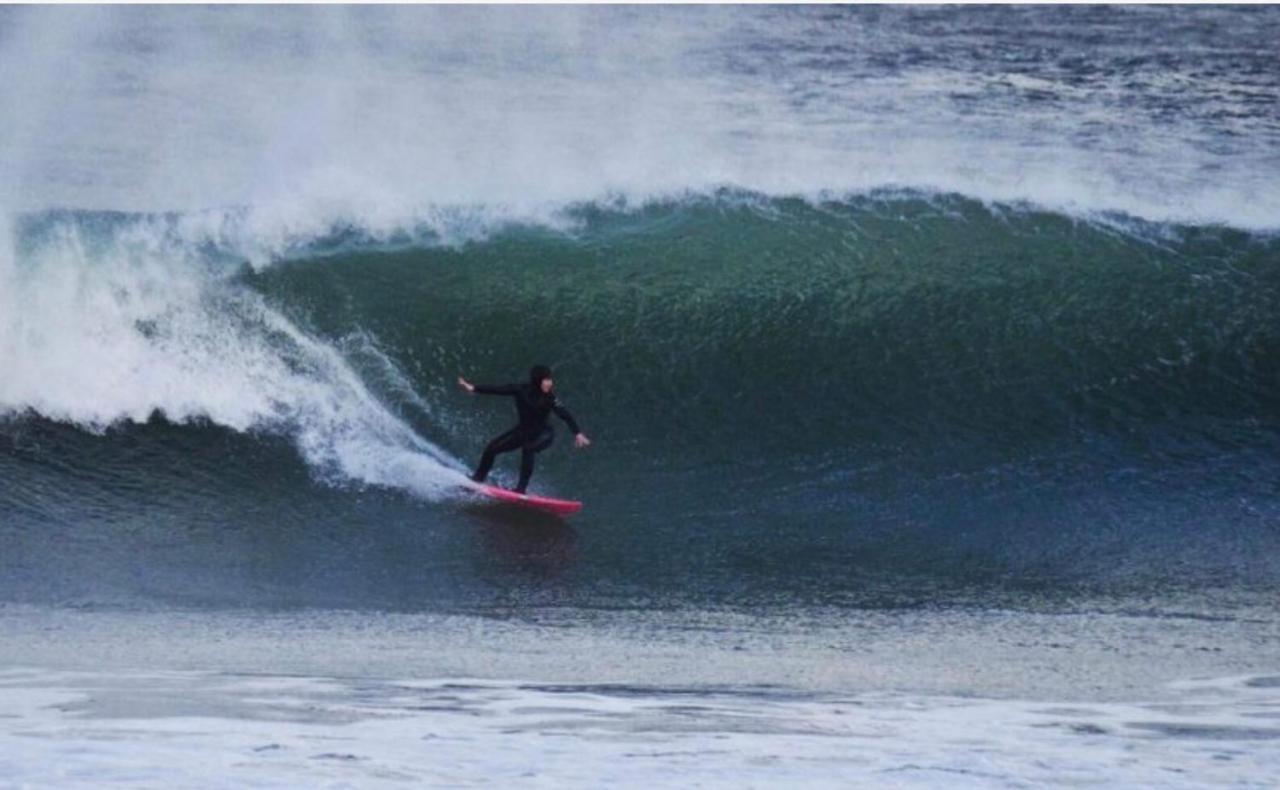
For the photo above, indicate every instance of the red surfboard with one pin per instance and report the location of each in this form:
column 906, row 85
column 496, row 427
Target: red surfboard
column 561, row 507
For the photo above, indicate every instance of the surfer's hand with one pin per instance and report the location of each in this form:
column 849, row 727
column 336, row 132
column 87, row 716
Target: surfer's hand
column 466, row 385
column 581, row 440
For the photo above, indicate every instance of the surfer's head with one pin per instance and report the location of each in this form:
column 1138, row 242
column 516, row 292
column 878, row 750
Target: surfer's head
column 540, row 377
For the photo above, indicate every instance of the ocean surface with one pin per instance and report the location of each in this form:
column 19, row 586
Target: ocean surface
column 931, row 359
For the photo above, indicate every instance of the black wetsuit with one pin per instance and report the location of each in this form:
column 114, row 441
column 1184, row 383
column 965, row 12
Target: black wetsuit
column 531, row 436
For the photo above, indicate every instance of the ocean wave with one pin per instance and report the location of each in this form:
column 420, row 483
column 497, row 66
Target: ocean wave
column 883, row 315
column 996, row 394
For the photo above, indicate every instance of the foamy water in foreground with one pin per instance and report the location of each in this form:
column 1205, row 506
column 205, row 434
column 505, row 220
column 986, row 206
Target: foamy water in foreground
column 186, row 729
column 637, row 699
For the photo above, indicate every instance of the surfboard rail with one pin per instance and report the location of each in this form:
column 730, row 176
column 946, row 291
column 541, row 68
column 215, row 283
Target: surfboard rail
column 560, row 507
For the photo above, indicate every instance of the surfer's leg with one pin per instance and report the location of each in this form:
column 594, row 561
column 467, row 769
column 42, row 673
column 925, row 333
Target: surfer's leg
column 503, row 444
column 531, row 448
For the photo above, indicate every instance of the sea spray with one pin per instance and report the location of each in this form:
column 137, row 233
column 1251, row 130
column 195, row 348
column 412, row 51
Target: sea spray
column 110, row 323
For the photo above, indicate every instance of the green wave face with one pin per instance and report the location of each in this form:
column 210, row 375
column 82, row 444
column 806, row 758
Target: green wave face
column 717, row 328
column 787, row 395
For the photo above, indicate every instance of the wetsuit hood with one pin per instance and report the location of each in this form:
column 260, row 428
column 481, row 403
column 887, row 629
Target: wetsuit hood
column 537, row 373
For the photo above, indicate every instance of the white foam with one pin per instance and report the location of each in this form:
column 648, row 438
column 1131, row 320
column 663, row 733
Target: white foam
column 97, row 330
column 209, row 730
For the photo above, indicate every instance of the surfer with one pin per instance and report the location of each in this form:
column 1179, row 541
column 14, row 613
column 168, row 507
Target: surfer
column 534, row 403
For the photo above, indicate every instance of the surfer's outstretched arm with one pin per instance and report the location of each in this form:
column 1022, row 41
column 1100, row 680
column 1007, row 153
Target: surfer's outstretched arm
column 564, row 414
column 488, row 389
column 496, row 389
column 579, row 438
